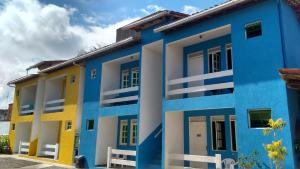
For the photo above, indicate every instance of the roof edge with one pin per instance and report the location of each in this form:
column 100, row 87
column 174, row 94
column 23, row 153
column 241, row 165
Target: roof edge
column 88, row 55
column 199, row 15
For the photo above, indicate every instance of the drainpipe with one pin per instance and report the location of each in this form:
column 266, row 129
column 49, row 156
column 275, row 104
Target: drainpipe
column 281, row 33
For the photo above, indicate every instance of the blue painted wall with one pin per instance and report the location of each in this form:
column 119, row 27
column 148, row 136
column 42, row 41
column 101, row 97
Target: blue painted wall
column 93, row 110
column 256, row 62
column 290, row 35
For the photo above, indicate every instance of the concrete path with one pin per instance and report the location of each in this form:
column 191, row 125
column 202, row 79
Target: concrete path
column 14, row 161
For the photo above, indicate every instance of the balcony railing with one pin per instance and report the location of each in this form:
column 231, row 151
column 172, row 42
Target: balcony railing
column 113, row 157
column 27, row 109
column 55, row 105
column 23, row 147
column 120, row 95
column 196, row 158
column 181, row 89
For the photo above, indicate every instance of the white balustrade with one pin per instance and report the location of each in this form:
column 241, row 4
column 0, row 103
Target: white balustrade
column 24, row 147
column 120, row 161
column 50, row 150
column 27, row 109
column 55, row 105
column 118, row 93
column 200, row 87
column 197, row 158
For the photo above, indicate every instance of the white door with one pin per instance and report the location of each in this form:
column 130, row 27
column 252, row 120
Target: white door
column 195, row 67
column 198, row 140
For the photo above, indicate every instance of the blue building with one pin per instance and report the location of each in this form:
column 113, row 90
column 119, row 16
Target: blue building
column 203, row 85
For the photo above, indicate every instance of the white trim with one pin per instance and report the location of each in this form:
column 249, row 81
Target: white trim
column 201, row 88
column 200, row 77
column 122, row 124
column 132, row 122
column 218, row 118
column 124, row 73
column 196, row 158
column 249, row 120
column 123, row 99
column 229, row 46
column 145, row 20
column 118, row 91
column 115, row 160
column 233, row 118
column 137, row 71
column 55, row 101
column 213, row 51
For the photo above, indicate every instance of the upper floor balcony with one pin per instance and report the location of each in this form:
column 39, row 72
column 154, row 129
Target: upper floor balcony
column 200, row 65
column 120, row 81
column 55, row 90
column 27, row 100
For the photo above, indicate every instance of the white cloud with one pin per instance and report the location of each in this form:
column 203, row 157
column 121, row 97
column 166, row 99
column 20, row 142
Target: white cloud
column 151, row 9
column 190, row 9
column 31, row 32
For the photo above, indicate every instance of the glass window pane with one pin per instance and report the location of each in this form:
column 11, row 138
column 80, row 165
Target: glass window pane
column 253, row 30
column 259, row 118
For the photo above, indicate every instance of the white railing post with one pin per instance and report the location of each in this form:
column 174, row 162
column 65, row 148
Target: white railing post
column 218, row 161
column 20, row 146
column 108, row 157
column 56, row 151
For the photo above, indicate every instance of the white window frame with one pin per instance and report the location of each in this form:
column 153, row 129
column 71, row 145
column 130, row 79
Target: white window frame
column 122, row 124
column 218, row 118
column 132, row 123
column 133, row 71
column 233, row 118
column 212, row 52
column 124, row 72
column 229, row 46
column 249, row 118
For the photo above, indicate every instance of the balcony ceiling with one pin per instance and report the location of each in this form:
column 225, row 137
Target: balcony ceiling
column 203, row 36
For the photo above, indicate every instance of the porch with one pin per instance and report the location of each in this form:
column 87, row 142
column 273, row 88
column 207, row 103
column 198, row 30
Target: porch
column 200, row 65
column 120, row 81
column 49, row 139
column 195, row 139
column 22, row 138
column 116, row 142
column 55, row 90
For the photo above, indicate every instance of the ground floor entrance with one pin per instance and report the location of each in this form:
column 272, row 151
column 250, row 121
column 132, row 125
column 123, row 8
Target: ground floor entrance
column 190, row 134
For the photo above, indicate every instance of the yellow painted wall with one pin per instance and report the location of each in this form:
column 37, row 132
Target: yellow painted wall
column 66, row 138
column 15, row 117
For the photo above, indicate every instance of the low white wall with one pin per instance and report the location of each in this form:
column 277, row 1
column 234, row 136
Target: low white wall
column 4, row 127
column 23, row 131
column 174, row 136
column 106, row 137
column 151, row 90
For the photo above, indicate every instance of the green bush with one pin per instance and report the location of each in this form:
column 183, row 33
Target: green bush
column 4, row 145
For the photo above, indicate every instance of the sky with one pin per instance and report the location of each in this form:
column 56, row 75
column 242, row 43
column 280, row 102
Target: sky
column 36, row 30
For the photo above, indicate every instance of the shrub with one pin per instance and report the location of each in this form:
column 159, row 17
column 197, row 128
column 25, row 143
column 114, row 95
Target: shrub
column 4, row 144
